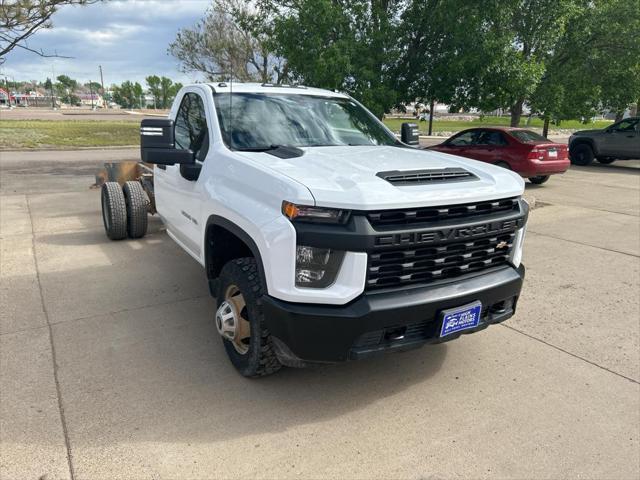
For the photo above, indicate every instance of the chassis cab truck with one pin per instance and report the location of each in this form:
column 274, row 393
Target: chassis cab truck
column 324, row 238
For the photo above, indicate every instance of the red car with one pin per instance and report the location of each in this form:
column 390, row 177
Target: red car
column 523, row 151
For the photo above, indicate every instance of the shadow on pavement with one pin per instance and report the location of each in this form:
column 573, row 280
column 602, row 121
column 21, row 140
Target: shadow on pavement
column 618, row 167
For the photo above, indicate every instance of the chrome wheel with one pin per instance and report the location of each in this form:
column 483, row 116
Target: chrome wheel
column 232, row 321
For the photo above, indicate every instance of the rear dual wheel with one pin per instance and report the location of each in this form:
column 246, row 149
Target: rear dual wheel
column 137, row 208
column 114, row 211
column 124, row 210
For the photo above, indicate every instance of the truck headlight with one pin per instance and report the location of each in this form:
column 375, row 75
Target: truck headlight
column 317, row 267
column 314, row 214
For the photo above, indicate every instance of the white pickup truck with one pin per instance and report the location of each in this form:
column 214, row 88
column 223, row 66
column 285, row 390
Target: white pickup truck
column 324, row 238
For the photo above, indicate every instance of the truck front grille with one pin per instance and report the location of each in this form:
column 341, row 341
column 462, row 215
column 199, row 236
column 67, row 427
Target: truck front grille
column 405, row 266
column 395, row 218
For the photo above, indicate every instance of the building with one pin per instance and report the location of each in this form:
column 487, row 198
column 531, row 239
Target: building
column 91, row 100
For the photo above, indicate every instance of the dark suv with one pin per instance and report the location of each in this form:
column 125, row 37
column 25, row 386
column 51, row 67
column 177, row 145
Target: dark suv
column 620, row 141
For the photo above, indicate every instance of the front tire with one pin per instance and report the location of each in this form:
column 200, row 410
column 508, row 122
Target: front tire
column 539, row 180
column 114, row 211
column 240, row 319
column 582, row 155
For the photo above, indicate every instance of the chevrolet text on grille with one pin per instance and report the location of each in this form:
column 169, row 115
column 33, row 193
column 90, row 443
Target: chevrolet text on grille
column 444, row 234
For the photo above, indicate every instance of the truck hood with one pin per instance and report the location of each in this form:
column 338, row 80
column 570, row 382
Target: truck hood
column 345, row 177
column 588, row 132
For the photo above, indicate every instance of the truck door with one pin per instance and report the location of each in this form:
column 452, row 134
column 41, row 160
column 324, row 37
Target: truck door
column 178, row 191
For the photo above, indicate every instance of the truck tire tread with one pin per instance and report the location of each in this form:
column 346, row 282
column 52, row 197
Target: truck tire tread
column 261, row 359
column 137, row 209
column 114, row 211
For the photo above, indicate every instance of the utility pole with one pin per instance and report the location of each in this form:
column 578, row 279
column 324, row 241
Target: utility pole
column 53, row 79
column 6, row 82
column 431, row 107
column 102, row 84
column 91, row 93
column 53, row 99
column 15, row 89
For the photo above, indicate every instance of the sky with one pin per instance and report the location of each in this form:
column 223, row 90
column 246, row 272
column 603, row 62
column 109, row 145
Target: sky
column 129, row 38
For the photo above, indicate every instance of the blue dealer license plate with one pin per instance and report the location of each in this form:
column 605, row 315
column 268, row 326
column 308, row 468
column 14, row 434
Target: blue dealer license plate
column 461, row 318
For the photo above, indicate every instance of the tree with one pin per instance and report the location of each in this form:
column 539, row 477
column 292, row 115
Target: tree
column 612, row 56
column 351, row 46
column 94, row 87
column 596, row 64
column 163, row 90
column 138, row 95
column 153, row 82
column 231, row 38
column 128, row 94
column 168, row 91
column 65, row 88
column 20, row 19
column 439, row 60
column 521, row 38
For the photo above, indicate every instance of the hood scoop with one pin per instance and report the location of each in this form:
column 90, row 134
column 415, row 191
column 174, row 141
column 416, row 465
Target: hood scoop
column 422, row 177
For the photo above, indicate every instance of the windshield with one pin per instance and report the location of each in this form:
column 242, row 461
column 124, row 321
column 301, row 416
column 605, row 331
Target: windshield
column 528, row 136
column 253, row 121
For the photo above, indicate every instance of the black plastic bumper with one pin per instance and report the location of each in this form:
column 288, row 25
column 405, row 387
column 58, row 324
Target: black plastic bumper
column 383, row 321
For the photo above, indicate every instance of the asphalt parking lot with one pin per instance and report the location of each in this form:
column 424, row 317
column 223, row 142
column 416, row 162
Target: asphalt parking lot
column 110, row 365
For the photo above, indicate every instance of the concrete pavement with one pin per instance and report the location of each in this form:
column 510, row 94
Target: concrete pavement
column 111, row 366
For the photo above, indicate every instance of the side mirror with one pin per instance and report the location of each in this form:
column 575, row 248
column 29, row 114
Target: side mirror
column 157, row 143
column 409, row 134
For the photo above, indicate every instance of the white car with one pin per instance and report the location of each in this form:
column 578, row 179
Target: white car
column 325, row 238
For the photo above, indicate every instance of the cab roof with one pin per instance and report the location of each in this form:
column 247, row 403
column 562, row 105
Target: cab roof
column 238, row 87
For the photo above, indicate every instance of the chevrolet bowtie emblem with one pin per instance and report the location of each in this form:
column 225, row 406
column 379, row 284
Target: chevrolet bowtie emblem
column 501, row 245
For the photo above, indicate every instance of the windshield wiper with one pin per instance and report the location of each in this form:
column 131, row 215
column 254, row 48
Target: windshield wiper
column 265, row 148
column 280, row 151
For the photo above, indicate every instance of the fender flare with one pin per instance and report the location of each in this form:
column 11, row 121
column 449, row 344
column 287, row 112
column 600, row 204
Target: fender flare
column 586, row 141
column 216, row 220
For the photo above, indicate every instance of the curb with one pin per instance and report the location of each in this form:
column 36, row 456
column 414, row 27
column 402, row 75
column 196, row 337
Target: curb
column 146, row 114
column 71, row 149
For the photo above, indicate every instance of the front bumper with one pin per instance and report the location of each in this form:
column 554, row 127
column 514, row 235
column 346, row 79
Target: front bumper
column 386, row 321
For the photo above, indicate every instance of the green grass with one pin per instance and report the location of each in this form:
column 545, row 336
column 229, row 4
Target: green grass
column 26, row 134
column 457, row 125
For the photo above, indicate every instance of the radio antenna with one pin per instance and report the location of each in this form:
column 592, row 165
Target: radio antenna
column 230, row 106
